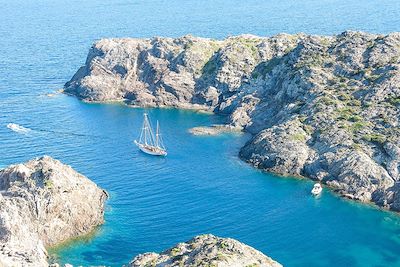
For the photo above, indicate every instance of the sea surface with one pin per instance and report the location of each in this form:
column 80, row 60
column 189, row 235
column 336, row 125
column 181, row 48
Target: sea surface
column 201, row 186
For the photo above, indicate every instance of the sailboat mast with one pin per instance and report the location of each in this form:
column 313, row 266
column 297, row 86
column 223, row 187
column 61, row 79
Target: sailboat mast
column 145, row 125
column 149, row 142
column 148, row 131
column 157, row 133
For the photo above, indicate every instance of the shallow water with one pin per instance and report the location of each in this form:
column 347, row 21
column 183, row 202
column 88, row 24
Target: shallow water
column 201, row 187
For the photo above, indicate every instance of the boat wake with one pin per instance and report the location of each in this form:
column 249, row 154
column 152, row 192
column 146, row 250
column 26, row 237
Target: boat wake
column 24, row 130
column 18, row 128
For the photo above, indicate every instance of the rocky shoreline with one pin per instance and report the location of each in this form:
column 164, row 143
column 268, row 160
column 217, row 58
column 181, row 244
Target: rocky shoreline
column 206, row 250
column 43, row 203
column 322, row 107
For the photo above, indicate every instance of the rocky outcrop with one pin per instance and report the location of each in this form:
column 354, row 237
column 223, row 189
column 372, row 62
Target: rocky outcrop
column 324, row 107
column 214, row 130
column 206, row 250
column 42, row 203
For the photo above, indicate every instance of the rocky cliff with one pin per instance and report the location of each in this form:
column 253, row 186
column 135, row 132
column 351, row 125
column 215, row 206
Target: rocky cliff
column 206, row 250
column 324, row 107
column 42, row 203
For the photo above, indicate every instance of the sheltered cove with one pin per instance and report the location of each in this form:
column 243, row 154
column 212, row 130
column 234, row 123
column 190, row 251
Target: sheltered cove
column 323, row 107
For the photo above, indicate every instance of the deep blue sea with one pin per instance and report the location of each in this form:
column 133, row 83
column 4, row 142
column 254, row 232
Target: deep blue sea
column 201, row 186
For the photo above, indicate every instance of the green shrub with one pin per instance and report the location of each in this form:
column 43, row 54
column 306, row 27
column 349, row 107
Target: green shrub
column 221, row 256
column 223, row 245
column 302, row 118
column 356, row 146
column 372, row 77
column 395, row 101
column 327, row 101
column 298, row 137
column 355, row 118
column 250, row 44
column 376, row 138
column 354, row 103
column 308, row 129
column 345, row 113
column 342, row 85
column 175, row 251
column 325, row 41
column 358, row 126
column 342, row 125
column 265, row 67
column 48, row 184
column 344, row 97
column 312, row 61
column 367, row 104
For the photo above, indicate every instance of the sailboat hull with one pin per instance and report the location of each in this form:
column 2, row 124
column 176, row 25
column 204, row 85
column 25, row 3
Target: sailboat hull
column 151, row 150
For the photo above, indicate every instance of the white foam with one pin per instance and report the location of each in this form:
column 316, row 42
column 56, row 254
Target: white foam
column 18, row 128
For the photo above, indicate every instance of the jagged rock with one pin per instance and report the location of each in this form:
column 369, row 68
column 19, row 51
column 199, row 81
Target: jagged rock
column 42, row 203
column 206, row 250
column 318, row 106
column 281, row 149
column 356, row 174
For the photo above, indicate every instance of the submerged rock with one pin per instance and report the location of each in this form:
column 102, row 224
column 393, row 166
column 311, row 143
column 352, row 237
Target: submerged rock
column 324, row 107
column 43, row 203
column 214, row 130
column 206, row 250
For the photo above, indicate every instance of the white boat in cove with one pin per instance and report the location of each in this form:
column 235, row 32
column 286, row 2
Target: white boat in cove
column 148, row 143
column 317, row 189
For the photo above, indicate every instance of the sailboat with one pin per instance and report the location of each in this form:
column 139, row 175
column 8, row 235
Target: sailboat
column 147, row 142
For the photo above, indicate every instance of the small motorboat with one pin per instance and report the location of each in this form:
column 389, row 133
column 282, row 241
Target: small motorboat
column 147, row 142
column 18, row 128
column 317, row 189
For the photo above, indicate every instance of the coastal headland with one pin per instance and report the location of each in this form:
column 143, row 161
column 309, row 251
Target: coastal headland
column 322, row 107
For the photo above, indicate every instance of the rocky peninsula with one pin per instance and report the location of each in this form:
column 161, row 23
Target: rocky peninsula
column 43, row 203
column 206, row 250
column 323, row 107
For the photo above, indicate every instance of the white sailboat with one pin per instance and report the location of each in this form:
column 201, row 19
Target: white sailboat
column 147, row 142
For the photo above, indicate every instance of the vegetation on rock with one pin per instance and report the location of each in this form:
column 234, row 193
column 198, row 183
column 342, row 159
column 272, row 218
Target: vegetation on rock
column 318, row 106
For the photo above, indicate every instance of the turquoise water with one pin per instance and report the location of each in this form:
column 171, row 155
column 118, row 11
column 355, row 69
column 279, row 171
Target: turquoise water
column 201, row 187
